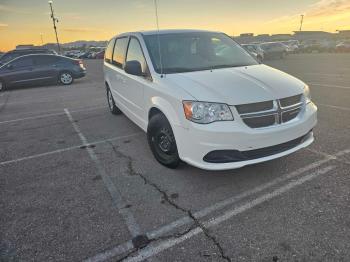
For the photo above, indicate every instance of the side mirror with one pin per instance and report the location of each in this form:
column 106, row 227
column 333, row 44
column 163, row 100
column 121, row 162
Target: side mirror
column 133, row 68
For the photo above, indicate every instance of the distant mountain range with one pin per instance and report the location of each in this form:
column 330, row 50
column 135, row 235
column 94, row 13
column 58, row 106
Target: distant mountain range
column 82, row 43
column 78, row 44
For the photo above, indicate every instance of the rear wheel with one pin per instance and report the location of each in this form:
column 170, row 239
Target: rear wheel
column 162, row 141
column 66, row 78
column 111, row 104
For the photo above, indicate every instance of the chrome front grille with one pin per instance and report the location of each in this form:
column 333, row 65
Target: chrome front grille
column 255, row 107
column 269, row 113
column 290, row 101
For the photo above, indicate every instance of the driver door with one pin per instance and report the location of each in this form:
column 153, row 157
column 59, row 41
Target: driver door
column 135, row 84
column 20, row 71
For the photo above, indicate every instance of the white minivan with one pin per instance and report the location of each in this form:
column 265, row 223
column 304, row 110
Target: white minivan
column 204, row 100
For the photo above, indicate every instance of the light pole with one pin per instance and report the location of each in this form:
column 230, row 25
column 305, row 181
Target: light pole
column 301, row 22
column 42, row 40
column 54, row 21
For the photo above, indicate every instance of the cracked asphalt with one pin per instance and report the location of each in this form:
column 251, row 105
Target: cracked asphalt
column 80, row 184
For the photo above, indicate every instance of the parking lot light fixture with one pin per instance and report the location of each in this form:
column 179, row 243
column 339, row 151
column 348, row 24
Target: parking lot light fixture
column 54, row 21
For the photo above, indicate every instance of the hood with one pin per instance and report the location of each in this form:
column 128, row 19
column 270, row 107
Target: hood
column 239, row 85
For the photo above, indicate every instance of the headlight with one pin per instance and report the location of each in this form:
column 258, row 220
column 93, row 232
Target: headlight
column 307, row 94
column 205, row 112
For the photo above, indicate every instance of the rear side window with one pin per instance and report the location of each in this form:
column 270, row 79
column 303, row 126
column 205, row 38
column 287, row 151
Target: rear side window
column 45, row 60
column 109, row 51
column 119, row 52
column 135, row 53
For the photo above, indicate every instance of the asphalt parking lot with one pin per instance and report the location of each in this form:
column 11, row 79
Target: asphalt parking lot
column 80, row 184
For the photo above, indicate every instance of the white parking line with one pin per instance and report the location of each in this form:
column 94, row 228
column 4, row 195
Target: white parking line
column 163, row 245
column 321, row 74
column 49, row 115
column 30, row 102
column 66, row 149
column 335, row 156
column 128, row 217
column 215, row 207
column 335, row 107
column 331, row 86
column 230, row 201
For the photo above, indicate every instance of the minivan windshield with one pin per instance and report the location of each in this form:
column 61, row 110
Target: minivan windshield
column 195, row 51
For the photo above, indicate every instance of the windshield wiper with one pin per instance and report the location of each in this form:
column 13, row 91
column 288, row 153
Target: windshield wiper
column 179, row 70
column 186, row 69
column 225, row 66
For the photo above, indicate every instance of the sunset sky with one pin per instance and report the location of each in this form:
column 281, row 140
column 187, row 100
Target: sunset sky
column 22, row 21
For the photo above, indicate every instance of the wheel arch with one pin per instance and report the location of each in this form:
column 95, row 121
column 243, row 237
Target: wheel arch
column 160, row 105
column 107, row 85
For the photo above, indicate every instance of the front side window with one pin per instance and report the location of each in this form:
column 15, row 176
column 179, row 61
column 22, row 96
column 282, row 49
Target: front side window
column 22, row 62
column 195, row 51
column 135, row 54
column 119, row 51
column 109, row 51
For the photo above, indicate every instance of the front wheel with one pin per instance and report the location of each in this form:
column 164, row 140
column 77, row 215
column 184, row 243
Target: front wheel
column 162, row 141
column 66, row 78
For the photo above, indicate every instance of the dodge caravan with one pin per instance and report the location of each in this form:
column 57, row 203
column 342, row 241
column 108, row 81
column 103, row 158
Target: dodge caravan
column 204, row 100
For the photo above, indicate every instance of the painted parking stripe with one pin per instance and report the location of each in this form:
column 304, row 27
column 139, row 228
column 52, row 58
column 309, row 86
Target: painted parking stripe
column 324, row 74
column 332, row 86
column 128, row 217
column 213, row 208
column 49, row 115
column 230, row 201
column 160, row 246
column 30, row 102
column 67, row 149
column 335, row 107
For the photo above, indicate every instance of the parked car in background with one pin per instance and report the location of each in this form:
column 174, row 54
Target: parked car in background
column 273, row 50
column 20, row 52
column 40, row 68
column 256, row 49
column 317, row 46
column 343, row 47
column 100, row 55
column 292, row 46
column 203, row 99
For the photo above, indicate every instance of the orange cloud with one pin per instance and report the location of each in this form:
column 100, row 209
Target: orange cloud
column 2, row 26
column 322, row 15
column 329, row 7
column 80, row 30
column 11, row 9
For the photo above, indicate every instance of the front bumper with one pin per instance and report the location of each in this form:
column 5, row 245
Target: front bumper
column 196, row 141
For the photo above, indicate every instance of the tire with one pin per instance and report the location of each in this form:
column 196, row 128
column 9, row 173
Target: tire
column 162, row 141
column 111, row 104
column 66, row 78
column 2, row 86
